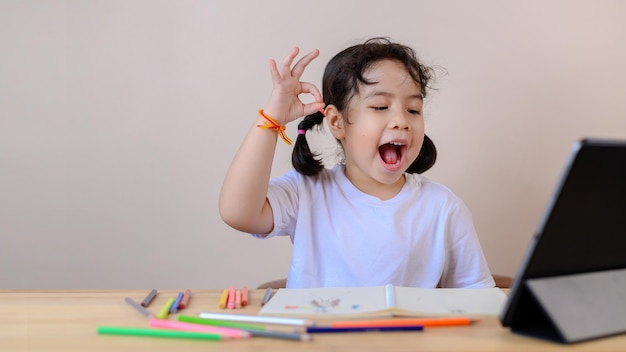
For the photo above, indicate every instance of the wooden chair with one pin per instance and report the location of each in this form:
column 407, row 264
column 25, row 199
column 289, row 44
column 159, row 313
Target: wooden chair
column 276, row 284
column 502, row 281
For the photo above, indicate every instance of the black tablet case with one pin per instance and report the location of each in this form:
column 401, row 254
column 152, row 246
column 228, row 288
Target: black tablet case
column 571, row 285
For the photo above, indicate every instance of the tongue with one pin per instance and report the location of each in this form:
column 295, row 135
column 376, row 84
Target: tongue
column 388, row 153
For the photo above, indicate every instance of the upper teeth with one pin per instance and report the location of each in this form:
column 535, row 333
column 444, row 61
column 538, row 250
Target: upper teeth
column 396, row 143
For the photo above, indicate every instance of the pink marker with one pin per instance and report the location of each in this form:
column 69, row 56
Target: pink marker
column 231, row 297
column 177, row 325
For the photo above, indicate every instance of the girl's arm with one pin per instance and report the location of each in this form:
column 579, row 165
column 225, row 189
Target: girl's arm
column 243, row 200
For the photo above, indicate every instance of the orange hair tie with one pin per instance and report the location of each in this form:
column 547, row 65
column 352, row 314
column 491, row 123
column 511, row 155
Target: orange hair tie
column 273, row 125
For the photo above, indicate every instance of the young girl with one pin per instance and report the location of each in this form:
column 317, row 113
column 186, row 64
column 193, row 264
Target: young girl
column 371, row 220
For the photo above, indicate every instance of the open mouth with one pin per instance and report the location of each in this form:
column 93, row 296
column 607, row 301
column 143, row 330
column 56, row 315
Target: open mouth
column 391, row 153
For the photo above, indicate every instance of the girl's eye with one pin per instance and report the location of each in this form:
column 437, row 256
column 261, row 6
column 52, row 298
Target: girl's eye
column 379, row 108
column 414, row 112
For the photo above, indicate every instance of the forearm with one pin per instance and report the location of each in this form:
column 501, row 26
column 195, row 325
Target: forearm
column 242, row 201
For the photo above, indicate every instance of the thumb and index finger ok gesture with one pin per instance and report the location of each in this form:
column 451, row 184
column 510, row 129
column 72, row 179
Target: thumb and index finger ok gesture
column 284, row 104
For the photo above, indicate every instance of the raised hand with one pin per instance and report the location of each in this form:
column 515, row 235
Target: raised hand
column 284, row 104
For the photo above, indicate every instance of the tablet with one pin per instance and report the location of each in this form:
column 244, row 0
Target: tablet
column 582, row 230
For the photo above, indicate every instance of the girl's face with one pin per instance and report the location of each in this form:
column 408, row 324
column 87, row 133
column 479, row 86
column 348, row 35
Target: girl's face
column 383, row 129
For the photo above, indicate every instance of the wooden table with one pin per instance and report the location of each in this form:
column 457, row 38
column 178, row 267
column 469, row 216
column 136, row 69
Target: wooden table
column 66, row 320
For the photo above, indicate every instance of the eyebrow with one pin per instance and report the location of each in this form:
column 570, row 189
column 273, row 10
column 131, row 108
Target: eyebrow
column 377, row 93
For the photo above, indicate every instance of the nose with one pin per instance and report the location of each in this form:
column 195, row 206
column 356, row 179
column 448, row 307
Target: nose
column 399, row 121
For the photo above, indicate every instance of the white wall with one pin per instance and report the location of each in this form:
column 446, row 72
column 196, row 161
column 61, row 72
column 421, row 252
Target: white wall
column 118, row 120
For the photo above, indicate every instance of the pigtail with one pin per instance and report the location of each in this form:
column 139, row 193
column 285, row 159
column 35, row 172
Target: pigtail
column 426, row 158
column 303, row 160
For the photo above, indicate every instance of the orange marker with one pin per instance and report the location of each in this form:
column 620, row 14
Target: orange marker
column 224, row 298
column 244, row 296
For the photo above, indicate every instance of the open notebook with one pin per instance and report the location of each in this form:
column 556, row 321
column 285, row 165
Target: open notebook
column 384, row 301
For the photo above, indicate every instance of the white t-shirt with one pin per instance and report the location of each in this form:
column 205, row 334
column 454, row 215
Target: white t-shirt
column 423, row 237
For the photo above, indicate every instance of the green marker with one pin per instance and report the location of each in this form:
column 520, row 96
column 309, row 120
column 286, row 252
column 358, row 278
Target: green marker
column 222, row 323
column 132, row 331
column 254, row 329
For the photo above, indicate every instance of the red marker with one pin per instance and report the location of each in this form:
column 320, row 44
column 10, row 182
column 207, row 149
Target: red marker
column 244, row 296
column 185, row 301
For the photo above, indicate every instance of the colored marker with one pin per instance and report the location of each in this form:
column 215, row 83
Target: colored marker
column 282, row 335
column 185, row 301
column 222, row 323
column 177, row 325
column 257, row 319
column 165, row 311
column 448, row 321
column 231, row 297
column 253, row 329
column 268, row 295
column 244, row 296
column 238, row 299
column 138, row 307
column 174, row 308
column 223, row 299
column 126, row 330
column 146, row 301
column 316, row 329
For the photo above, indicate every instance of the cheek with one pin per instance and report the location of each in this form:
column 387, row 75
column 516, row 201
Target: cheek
column 418, row 124
column 360, row 141
column 418, row 137
column 367, row 137
column 418, row 130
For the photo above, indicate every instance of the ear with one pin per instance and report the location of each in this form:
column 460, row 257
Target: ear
column 335, row 121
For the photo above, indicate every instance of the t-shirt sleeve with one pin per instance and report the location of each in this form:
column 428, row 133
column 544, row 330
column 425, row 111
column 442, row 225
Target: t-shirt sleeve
column 467, row 266
column 282, row 195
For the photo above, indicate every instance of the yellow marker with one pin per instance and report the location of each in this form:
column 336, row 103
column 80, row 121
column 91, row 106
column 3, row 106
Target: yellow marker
column 165, row 311
column 224, row 298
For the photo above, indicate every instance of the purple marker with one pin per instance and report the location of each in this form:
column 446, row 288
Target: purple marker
column 146, row 301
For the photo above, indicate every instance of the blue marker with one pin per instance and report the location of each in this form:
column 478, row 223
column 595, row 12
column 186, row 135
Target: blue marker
column 320, row 329
column 174, row 308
